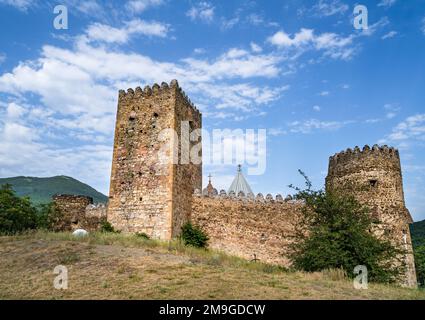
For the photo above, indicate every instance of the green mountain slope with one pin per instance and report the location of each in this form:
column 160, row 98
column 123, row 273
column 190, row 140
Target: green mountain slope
column 41, row 190
column 417, row 231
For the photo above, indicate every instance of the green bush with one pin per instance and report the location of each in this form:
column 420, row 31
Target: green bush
column 106, row 226
column 142, row 235
column 193, row 236
column 334, row 232
column 16, row 214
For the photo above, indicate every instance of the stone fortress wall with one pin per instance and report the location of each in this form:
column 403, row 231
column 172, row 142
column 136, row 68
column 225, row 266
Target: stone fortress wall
column 78, row 212
column 259, row 228
column 157, row 199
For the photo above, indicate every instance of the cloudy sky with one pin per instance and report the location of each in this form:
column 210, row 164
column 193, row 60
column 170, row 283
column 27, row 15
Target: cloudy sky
column 296, row 68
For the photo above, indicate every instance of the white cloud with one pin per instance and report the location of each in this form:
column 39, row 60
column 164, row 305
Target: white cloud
column 235, row 63
column 76, row 92
column 19, row 148
column 316, row 108
column 2, row 57
column 407, row 132
column 98, row 31
column 106, row 33
column 391, row 110
column 324, row 93
column 203, row 11
column 78, row 88
column 138, row 6
column 199, row 51
column 282, row 39
column 373, row 28
column 242, row 97
column 311, row 125
column 227, row 24
column 22, row 5
column 326, row 8
column 332, row 44
column 255, row 47
column 255, row 19
column 90, row 8
column 16, row 133
column 345, row 86
column 389, row 35
column 14, row 111
column 386, row 3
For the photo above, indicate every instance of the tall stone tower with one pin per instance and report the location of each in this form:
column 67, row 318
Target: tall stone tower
column 153, row 179
column 374, row 177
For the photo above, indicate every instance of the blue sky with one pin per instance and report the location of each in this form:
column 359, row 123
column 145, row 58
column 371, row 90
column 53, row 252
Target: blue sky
column 296, row 68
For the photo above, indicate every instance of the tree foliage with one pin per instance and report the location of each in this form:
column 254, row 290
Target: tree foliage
column 107, row 227
column 193, row 236
column 16, row 214
column 335, row 231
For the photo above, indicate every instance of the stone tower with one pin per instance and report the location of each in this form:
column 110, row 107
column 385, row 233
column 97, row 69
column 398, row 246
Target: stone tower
column 153, row 179
column 374, row 177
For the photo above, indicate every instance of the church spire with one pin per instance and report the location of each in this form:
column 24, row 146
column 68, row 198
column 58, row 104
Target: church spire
column 239, row 183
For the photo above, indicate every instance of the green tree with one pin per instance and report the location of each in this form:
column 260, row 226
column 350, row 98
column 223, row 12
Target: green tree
column 16, row 214
column 47, row 216
column 193, row 236
column 334, row 231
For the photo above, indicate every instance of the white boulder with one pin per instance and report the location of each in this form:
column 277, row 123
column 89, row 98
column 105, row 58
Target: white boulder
column 80, row 233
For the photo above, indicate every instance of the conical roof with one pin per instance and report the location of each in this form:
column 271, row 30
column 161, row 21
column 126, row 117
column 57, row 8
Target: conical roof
column 240, row 184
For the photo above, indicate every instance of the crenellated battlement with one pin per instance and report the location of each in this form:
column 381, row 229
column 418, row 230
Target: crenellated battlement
column 376, row 156
column 375, row 150
column 250, row 197
column 156, row 90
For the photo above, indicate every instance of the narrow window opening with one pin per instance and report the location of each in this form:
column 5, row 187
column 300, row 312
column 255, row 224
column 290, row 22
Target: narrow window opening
column 373, row 183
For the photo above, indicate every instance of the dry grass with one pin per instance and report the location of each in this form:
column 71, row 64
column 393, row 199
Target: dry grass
column 113, row 266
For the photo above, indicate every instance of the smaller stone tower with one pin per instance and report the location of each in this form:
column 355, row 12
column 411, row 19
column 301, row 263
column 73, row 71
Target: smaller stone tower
column 374, row 177
column 149, row 193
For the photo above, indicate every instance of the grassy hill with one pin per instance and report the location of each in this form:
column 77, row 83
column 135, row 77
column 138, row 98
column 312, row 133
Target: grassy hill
column 118, row 266
column 41, row 190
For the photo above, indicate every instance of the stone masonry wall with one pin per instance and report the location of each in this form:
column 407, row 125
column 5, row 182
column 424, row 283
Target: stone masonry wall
column 373, row 176
column 99, row 210
column 249, row 228
column 73, row 214
column 146, row 194
column 156, row 197
column 187, row 176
